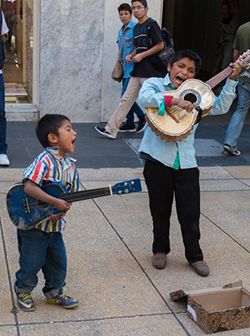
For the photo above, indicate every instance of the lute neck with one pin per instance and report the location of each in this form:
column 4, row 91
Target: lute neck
column 86, row 194
column 212, row 82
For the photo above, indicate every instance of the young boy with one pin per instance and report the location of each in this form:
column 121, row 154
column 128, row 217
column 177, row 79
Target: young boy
column 126, row 45
column 170, row 167
column 42, row 248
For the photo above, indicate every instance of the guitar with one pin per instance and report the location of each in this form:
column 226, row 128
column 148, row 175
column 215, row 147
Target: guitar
column 26, row 212
column 177, row 123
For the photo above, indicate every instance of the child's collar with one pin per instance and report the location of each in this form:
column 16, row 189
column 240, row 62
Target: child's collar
column 167, row 82
column 55, row 152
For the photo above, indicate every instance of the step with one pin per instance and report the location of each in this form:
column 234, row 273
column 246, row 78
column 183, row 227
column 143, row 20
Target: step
column 21, row 112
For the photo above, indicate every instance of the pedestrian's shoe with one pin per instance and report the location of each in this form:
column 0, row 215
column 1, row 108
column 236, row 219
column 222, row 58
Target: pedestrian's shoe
column 4, row 160
column 231, row 151
column 140, row 126
column 200, row 267
column 62, row 299
column 159, row 260
column 125, row 127
column 25, row 301
column 102, row 131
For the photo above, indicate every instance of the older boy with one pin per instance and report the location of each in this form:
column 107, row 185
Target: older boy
column 170, row 167
column 43, row 248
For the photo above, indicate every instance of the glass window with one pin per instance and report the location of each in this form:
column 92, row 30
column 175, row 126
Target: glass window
column 18, row 50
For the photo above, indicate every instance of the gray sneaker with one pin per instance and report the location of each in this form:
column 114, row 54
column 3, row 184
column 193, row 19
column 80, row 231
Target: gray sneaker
column 159, row 260
column 200, row 267
column 231, row 151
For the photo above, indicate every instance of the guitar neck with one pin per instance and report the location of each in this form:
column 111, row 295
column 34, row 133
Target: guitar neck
column 86, row 194
column 212, row 82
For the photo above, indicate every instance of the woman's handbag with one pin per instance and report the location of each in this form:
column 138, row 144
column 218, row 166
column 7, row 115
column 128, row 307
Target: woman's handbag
column 117, row 73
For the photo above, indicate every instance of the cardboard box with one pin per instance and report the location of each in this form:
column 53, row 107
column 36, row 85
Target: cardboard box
column 217, row 309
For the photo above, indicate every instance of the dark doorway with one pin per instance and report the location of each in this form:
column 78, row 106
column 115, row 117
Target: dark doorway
column 193, row 25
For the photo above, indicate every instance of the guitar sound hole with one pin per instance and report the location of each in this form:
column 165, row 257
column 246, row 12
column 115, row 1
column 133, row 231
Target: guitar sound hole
column 190, row 97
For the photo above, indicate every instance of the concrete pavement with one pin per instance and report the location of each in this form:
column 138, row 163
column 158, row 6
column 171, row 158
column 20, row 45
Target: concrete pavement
column 109, row 243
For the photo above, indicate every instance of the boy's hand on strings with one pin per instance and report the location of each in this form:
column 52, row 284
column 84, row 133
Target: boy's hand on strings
column 183, row 104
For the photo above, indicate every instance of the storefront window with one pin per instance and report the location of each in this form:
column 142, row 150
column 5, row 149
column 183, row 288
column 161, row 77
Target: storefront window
column 18, row 67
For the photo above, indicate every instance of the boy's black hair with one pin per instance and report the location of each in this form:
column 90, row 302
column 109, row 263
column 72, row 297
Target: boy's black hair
column 125, row 7
column 49, row 123
column 143, row 2
column 189, row 54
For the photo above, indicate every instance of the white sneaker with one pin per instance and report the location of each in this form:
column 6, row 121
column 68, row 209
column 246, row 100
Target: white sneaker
column 4, row 160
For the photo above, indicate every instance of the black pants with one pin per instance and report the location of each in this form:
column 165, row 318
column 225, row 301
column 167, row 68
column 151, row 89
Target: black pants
column 163, row 183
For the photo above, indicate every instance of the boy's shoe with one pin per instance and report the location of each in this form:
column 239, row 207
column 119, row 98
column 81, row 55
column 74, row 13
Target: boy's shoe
column 102, row 131
column 4, row 160
column 25, row 301
column 140, row 126
column 159, row 260
column 62, row 299
column 231, row 151
column 127, row 128
column 200, row 267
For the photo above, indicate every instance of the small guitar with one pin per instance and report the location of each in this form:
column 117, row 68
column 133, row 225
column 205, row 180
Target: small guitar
column 177, row 123
column 25, row 211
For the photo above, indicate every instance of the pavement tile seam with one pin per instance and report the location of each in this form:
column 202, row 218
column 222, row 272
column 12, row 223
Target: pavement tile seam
column 14, row 310
column 227, row 234
column 96, row 319
column 142, row 268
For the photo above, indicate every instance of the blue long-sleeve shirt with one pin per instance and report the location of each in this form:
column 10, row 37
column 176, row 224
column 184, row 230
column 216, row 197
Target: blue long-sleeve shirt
column 151, row 95
column 126, row 38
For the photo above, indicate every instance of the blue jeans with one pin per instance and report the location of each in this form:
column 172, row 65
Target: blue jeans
column 135, row 109
column 3, row 123
column 238, row 118
column 41, row 251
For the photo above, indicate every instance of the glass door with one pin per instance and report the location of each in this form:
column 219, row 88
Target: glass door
column 18, row 50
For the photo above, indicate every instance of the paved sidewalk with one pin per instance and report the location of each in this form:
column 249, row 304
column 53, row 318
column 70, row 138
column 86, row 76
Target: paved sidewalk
column 109, row 244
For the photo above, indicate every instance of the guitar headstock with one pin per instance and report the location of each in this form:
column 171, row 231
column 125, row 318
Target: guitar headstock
column 244, row 59
column 127, row 187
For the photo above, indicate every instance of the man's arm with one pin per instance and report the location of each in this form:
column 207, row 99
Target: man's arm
column 155, row 49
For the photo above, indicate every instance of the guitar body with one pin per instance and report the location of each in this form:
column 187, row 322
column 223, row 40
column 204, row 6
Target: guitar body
column 25, row 211
column 177, row 123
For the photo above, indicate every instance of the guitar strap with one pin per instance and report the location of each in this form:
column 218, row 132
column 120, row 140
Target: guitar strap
column 198, row 118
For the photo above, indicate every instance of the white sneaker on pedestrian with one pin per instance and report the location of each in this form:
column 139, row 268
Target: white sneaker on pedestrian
column 4, row 160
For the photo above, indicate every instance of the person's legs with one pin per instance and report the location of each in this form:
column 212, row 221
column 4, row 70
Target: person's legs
column 32, row 245
column 159, row 182
column 124, row 106
column 55, row 266
column 238, row 118
column 3, row 123
column 187, row 196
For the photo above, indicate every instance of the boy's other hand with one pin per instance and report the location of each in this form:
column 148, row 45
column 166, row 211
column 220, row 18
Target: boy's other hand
column 183, row 104
column 237, row 68
column 61, row 204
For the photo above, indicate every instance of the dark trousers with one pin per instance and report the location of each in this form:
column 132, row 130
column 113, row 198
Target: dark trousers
column 3, row 122
column 163, row 184
column 41, row 251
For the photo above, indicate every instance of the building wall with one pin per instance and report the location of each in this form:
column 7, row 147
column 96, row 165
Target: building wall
column 77, row 54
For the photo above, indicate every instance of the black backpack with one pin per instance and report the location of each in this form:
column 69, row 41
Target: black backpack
column 166, row 54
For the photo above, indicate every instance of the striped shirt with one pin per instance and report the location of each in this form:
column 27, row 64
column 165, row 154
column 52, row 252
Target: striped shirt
column 49, row 166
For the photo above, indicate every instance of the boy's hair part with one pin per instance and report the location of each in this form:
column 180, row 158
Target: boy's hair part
column 125, row 7
column 143, row 2
column 188, row 54
column 49, row 123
